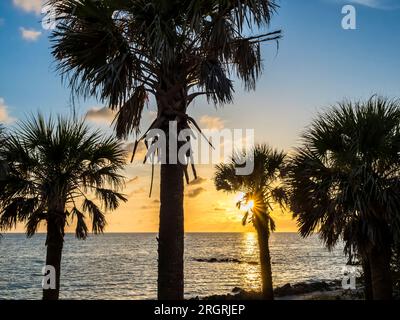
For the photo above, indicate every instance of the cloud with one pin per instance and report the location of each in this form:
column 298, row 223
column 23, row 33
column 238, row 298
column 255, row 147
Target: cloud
column 368, row 3
column 198, row 181
column 34, row 6
column 100, row 115
column 152, row 205
column 30, row 34
column 195, row 192
column 219, row 209
column 376, row 4
column 134, row 179
column 138, row 191
column 140, row 153
column 212, row 123
column 4, row 116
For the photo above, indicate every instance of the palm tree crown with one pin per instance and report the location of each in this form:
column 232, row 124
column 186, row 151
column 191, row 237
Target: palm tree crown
column 175, row 50
column 261, row 186
column 59, row 164
column 344, row 181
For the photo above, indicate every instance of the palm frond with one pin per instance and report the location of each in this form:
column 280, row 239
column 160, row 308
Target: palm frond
column 51, row 164
column 130, row 113
column 120, row 51
column 260, row 187
column 96, row 215
column 81, row 230
column 33, row 222
column 110, row 198
column 343, row 182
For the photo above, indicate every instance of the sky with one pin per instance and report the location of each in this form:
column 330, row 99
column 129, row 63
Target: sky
column 318, row 64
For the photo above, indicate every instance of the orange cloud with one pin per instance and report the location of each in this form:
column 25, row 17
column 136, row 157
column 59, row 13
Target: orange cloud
column 30, row 34
column 212, row 123
column 4, row 116
column 198, row 181
column 195, row 192
column 34, row 6
column 102, row 115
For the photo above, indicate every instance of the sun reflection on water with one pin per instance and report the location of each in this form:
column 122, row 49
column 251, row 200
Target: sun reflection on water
column 249, row 243
column 251, row 272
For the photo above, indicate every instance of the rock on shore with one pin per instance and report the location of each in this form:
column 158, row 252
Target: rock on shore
column 329, row 288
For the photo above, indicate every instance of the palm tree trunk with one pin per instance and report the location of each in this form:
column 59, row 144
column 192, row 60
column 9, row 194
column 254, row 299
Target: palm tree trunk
column 54, row 243
column 367, row 279
column 171, row 234
column 381, row 274
column 265, row 259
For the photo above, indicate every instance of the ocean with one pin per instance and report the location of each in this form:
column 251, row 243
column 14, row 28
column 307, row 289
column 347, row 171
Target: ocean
column 124, row 266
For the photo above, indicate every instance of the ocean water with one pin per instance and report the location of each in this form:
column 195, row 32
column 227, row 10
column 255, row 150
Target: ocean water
column 124, row 266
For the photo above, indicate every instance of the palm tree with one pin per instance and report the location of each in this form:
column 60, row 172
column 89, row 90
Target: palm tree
column 344, row 183
column 124, row 51
column 261, row 190
column 56, row 170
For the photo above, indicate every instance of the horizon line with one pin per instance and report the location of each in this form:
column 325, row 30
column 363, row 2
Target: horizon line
column 146, row 232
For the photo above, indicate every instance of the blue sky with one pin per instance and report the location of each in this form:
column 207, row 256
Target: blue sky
column 318, row 64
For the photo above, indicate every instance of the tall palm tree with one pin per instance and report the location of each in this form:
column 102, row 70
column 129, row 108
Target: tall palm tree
column 261, row 190
column 56, row 172
column 123, row 51
column 344, row 183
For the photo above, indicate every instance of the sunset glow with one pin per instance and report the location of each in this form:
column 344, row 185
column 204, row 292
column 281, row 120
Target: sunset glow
column 248, row 206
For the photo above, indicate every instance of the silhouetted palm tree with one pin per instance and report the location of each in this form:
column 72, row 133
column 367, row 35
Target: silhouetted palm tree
column 56, row 170
column 261, row 190
column 122, row 51
column 344, row 183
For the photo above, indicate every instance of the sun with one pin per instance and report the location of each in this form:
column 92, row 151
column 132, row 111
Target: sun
column 244, row 205
column 248, row 206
